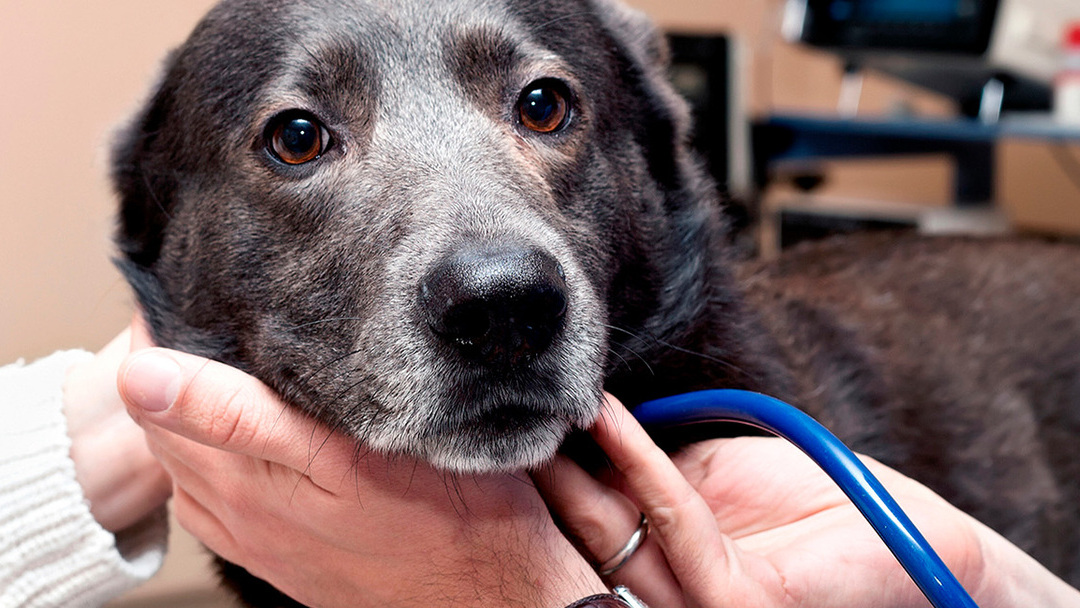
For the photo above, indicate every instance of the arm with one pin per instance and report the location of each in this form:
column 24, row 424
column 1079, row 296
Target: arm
column 53, row 552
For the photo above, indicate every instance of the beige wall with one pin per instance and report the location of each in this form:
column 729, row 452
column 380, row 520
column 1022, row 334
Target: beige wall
column 70, row 72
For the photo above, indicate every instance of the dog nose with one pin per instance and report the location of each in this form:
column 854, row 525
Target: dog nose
column 496, row 304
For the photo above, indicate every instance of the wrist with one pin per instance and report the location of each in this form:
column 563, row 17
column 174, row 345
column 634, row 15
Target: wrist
column 550, row 570
column 498, row 547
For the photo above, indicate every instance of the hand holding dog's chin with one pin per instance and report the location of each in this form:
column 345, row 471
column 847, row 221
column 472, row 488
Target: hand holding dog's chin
column 325, row 522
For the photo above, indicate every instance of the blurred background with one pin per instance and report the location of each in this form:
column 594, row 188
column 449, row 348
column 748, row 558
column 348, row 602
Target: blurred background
column 72, row 72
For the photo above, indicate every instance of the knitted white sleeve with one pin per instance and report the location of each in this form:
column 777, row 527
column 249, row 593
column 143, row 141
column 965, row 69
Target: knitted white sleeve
column 52, row 551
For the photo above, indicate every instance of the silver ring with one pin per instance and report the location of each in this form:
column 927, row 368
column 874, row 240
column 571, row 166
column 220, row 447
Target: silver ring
column 612, row 564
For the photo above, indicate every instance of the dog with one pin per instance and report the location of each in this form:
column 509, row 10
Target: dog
column 445, row 228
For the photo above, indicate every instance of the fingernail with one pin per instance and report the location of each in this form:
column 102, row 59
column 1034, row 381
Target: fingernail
column 152, row 381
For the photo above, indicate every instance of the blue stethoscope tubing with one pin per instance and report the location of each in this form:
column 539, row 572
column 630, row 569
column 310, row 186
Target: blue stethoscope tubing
column 894, row 527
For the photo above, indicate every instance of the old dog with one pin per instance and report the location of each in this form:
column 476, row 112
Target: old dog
column 445, row 227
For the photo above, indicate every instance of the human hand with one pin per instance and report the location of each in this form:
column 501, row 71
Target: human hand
column 120, row 478
column 330, row 524
column 753, row 522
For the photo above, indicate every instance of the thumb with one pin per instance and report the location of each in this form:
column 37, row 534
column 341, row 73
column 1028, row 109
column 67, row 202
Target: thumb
column 222, row 407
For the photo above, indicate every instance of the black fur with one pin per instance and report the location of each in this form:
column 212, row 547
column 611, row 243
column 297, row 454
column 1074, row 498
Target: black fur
column 308, row 276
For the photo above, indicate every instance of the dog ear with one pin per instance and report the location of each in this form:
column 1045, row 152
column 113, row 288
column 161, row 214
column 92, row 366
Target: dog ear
column 636, row 30
column 664, row 131
column 142, row 180
column 145, row 181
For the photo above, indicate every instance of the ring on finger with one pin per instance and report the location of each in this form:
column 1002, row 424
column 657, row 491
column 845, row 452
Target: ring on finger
column 623, row 555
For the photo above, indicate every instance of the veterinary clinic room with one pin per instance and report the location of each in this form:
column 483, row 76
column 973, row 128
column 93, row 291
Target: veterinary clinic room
column 557, row 303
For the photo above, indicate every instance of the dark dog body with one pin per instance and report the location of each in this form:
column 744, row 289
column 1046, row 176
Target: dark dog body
column 369, row 283
column 955, row 361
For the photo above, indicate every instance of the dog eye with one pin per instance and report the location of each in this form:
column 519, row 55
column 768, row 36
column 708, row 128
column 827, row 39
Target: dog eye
column 543, row 106
column 297, row 138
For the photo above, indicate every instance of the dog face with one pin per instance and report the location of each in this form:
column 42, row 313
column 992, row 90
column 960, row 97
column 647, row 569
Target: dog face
column 414, row 220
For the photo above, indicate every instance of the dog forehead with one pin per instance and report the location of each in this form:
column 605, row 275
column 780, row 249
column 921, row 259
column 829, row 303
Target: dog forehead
column 390, row 34
column 395, row 65
column 355, row 59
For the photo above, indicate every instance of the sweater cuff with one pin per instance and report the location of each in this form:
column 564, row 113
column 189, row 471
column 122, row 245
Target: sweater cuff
column 52, row 550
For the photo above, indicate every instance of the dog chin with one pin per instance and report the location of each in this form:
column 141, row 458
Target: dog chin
column 502, row 443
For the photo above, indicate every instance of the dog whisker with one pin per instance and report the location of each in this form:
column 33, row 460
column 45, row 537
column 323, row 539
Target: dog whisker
column 311, row 458
column 360, row 453
column 520, row 478
column 665, row 344
column 452, row 486
column 565, row 17
column 626, row 347
column 625, row 362
column 336, row 360
column 145, row 177
column 701, row 355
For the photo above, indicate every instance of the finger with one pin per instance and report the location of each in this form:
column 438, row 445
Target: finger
column 600, row 520
column 139, row 337
column 596, row 515
column 263, row 554
column 120, row 477
column 222, row 407
column 235, row 484
column 708, row 565
column 193, row 467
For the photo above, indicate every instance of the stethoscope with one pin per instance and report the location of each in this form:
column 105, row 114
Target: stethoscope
column 894, row 527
